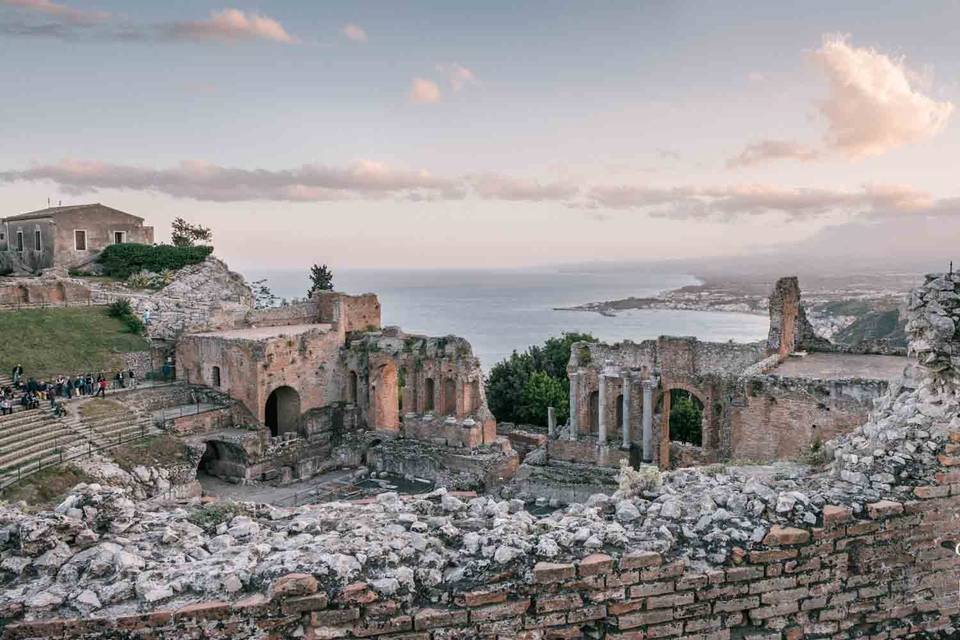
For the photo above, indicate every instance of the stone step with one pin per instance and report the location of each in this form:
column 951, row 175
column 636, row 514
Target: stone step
column 9, row 474
column 11, row 436
column 41, row 431
column 29, row 455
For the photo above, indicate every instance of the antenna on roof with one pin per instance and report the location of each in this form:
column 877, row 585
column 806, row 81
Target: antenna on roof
column 48, row 202
column 59, row 203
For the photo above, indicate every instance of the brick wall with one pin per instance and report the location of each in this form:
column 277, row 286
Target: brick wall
column 883, row 576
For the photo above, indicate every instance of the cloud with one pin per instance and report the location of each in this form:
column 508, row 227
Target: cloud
column 872, row 105
column 423, row 91
column 458, row 75
column 756, row 76
column 232, row 25
column 354, row 32
column 370, row 180
column 205, row 181
column 60, row 12
column 493, row 186
column 737, row 201
column 765, row 150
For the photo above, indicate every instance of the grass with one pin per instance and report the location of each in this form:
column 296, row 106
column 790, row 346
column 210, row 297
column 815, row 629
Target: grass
column 150, row 452
column 72, row 340
column 47, row 487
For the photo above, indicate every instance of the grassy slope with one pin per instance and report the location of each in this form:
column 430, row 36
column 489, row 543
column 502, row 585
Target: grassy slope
column 73, row 340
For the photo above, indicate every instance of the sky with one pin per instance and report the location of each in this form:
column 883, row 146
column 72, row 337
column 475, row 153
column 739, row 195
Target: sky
column 491, row 134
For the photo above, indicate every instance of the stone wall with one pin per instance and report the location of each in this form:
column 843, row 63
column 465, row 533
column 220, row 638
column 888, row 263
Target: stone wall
column 354, row 313
column 15, row 292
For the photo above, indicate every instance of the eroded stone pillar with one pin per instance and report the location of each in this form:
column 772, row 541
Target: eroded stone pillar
column 602, row 409
column 625, row 427
column 574, row 390
column 648, row 386
column 551, row 421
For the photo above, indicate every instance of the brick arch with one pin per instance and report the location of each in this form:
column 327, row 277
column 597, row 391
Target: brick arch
column 700, row 394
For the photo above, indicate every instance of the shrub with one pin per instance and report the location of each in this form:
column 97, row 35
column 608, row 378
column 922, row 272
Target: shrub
column 123, row 260
column 134, row 324
column 212, row 515
column 634, row 482
column 120, row 308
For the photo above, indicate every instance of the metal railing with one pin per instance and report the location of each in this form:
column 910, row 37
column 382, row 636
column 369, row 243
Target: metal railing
column 314, row 496
column 10, row 478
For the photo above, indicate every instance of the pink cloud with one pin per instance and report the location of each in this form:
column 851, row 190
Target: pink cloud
column 423, row 91
column 60, row 11
column 231, row 25
column 767, row 150
column 458, row 75
column 354, row 32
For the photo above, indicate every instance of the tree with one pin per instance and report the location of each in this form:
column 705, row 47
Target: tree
column 686, row 417
column 185, row 234
column 541, row 391
column 321, row 279
column 262, row 295
column 509, row 380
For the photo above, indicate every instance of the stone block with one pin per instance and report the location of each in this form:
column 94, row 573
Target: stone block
column 778, row 536
column 294, row 584
column 595, row 564
column 548, row 572
column 884, row 509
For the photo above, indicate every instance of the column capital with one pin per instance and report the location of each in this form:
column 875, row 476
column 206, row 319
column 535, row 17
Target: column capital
column 651, row 383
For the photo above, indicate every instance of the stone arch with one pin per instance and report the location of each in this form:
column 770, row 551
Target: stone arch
column 384, row 398
column 282, row 411
column 429, row 389
column 665, row 404
column 617, row 425
column 223, row 460
column 449, row 396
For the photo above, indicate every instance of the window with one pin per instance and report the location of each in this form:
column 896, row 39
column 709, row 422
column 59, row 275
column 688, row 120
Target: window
column 2, row 235
column 119, row 237
column 19, row 240
column 215, row 375
column 80, row 240
column 36, row 239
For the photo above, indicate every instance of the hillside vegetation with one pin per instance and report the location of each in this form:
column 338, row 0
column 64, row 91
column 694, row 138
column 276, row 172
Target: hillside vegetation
column 71, row 340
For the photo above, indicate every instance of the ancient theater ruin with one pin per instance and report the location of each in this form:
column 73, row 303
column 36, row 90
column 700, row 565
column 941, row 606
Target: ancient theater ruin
column 769, row 400
column 859, row 545
column 328, row 383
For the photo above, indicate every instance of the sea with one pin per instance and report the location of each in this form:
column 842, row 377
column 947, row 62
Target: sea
column 501, row 311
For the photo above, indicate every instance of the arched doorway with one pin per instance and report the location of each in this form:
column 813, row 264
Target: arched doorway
column 384, row 398
column 282, row 411
column 618, row 417
column 449, row 397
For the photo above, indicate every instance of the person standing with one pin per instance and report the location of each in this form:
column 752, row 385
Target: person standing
column 17, row 373
column 133, row 378
column 101, row 388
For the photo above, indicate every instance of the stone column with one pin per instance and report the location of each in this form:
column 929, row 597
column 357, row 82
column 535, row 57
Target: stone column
column 625, row 427
column 602, row 409
column 551, row 421
column 648, row 386
column 574, row 390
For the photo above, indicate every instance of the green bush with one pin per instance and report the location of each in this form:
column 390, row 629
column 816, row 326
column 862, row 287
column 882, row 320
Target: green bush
column 134, row 324
column 122, row 260
column 120, row 308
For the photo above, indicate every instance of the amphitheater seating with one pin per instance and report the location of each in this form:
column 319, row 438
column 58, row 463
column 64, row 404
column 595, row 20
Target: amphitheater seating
column 106, row 422
column 31, row 438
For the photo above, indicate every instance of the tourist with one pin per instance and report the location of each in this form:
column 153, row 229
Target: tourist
column 78, row 385
column 59, row 410
column 133, row 378
column 118, row 378
column 17, row 373
column 101, row 387
column 6, row 407
column 88, row 384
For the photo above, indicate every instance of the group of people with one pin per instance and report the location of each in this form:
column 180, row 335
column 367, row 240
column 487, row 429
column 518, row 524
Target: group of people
column 31, row 393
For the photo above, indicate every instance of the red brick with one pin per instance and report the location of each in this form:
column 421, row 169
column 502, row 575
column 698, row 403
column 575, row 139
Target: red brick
column 832, row 514
column 558, row 602
column 883, row 509
column 333, row 617
column 593, row 612
column 595, row 564
column 547, row 572
column 316, row 602
column 375, row 628
column 357, row 593
column 294, row 584
column 949, row 461
column 640, row 559
column 480, row 598
column 759, row 557
column 431, row 618
column 644, row 618
column 500, row 611
column 785, row 535
column 669, row 600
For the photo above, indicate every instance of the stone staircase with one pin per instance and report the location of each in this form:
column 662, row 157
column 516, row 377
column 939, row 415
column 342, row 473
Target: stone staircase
column 31, row 439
